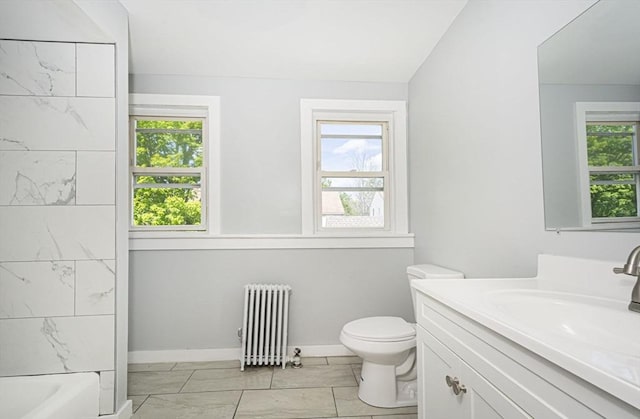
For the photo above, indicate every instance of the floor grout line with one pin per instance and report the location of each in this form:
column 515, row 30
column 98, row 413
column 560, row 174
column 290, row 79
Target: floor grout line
column 235, row 412
column 335, row 405
column 186, row 381
column 143, row 402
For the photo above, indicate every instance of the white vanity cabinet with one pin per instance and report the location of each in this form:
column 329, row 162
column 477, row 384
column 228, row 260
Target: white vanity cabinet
column 496, row 378
column 449, row 388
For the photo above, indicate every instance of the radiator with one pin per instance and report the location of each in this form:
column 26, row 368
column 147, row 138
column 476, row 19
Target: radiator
column 264, row 327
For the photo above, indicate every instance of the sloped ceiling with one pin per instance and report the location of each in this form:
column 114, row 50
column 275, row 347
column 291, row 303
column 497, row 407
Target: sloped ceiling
column 349, row 40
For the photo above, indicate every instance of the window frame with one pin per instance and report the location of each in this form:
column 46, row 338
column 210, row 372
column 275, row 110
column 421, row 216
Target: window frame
column 201, row 172
column 320, row 174
column 394, row 115
column 589, row 112
column 170, row 107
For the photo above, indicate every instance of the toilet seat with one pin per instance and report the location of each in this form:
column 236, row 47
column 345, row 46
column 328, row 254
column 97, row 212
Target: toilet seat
column 387, row 346
column 380, row 329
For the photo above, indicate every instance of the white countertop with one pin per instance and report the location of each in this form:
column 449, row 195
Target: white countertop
column 573, row 326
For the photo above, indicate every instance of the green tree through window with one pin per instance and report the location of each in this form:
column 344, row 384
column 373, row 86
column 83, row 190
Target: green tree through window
column 611, row 146
column 167, row 172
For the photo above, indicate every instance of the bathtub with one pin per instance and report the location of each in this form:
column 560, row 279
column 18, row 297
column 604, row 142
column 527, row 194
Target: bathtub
column 58, row 396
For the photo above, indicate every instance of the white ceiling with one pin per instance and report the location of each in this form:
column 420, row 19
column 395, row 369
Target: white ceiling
column 349, row 40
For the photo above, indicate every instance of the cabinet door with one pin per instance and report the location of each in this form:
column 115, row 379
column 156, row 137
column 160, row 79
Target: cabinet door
column 484, row 400
column 437, row 399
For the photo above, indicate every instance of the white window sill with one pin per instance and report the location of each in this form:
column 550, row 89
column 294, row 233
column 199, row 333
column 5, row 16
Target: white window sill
column 200, row 241
column 602, row 226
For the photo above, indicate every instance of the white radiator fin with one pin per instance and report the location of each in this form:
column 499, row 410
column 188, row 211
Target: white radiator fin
column 265, row 323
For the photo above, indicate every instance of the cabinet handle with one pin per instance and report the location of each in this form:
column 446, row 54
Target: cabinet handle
column 450, row 381
column 459, row 389
column 455, row 385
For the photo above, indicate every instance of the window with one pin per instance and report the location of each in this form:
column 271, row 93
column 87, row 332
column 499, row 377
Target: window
column 354, row 166
column 168, row 172
column 170, row 163
column 610, row 165
column 352, row 172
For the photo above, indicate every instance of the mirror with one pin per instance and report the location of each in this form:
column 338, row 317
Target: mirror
column 595, row 58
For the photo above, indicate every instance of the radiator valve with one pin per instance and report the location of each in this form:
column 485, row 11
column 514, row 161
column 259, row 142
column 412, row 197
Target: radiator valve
column 296, row 359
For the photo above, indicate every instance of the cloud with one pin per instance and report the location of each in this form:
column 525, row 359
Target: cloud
column 359, row 146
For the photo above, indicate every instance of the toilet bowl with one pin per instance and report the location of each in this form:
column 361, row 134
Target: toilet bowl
column 387, row 346
column 384, row 344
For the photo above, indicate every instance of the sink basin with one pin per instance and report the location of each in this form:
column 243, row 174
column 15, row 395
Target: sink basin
column 591, row 320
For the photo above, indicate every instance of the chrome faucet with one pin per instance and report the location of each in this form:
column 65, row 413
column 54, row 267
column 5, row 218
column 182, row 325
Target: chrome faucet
column 632, row 267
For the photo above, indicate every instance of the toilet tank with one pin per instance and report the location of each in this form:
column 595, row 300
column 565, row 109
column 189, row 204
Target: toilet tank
column 427, row 271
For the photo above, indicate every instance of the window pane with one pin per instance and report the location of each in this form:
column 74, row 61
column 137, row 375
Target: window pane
column 612, row 198
column 348, row 129
column 610, row 145
column 608, row 178
column 352, row 209
column 167, row 206
column 351, row 155
column 168, row 143
column 191, row 180
column 352, row 202
column 350, row 147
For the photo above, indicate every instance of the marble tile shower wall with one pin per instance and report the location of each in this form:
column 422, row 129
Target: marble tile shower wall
column 57, row 210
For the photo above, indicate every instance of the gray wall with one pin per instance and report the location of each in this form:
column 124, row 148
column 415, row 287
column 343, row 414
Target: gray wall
column 261, row 141
column 559, row 146
column 476, row 195
column 193, row 299
column 475, row 161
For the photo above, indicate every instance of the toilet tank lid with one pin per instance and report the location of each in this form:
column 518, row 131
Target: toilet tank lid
column 428, row 271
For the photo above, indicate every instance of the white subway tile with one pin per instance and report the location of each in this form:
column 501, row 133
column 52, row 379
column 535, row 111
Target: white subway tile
column 57, row 233
column 37, row 178
column 54, row 123
column 96, row 70
column 96, row 180
column 95, row 287
column 37, row 68
column 56, row 345
column 36, row 289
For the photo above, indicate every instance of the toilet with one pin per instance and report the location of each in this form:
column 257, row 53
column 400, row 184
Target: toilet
column 387, row 346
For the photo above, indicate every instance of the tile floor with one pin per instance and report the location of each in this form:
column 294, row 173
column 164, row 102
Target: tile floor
column 323, row 388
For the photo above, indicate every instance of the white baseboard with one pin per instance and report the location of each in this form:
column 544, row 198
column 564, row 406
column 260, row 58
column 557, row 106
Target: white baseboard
column 184, row 355
column 125, row 412
column 225, row 354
